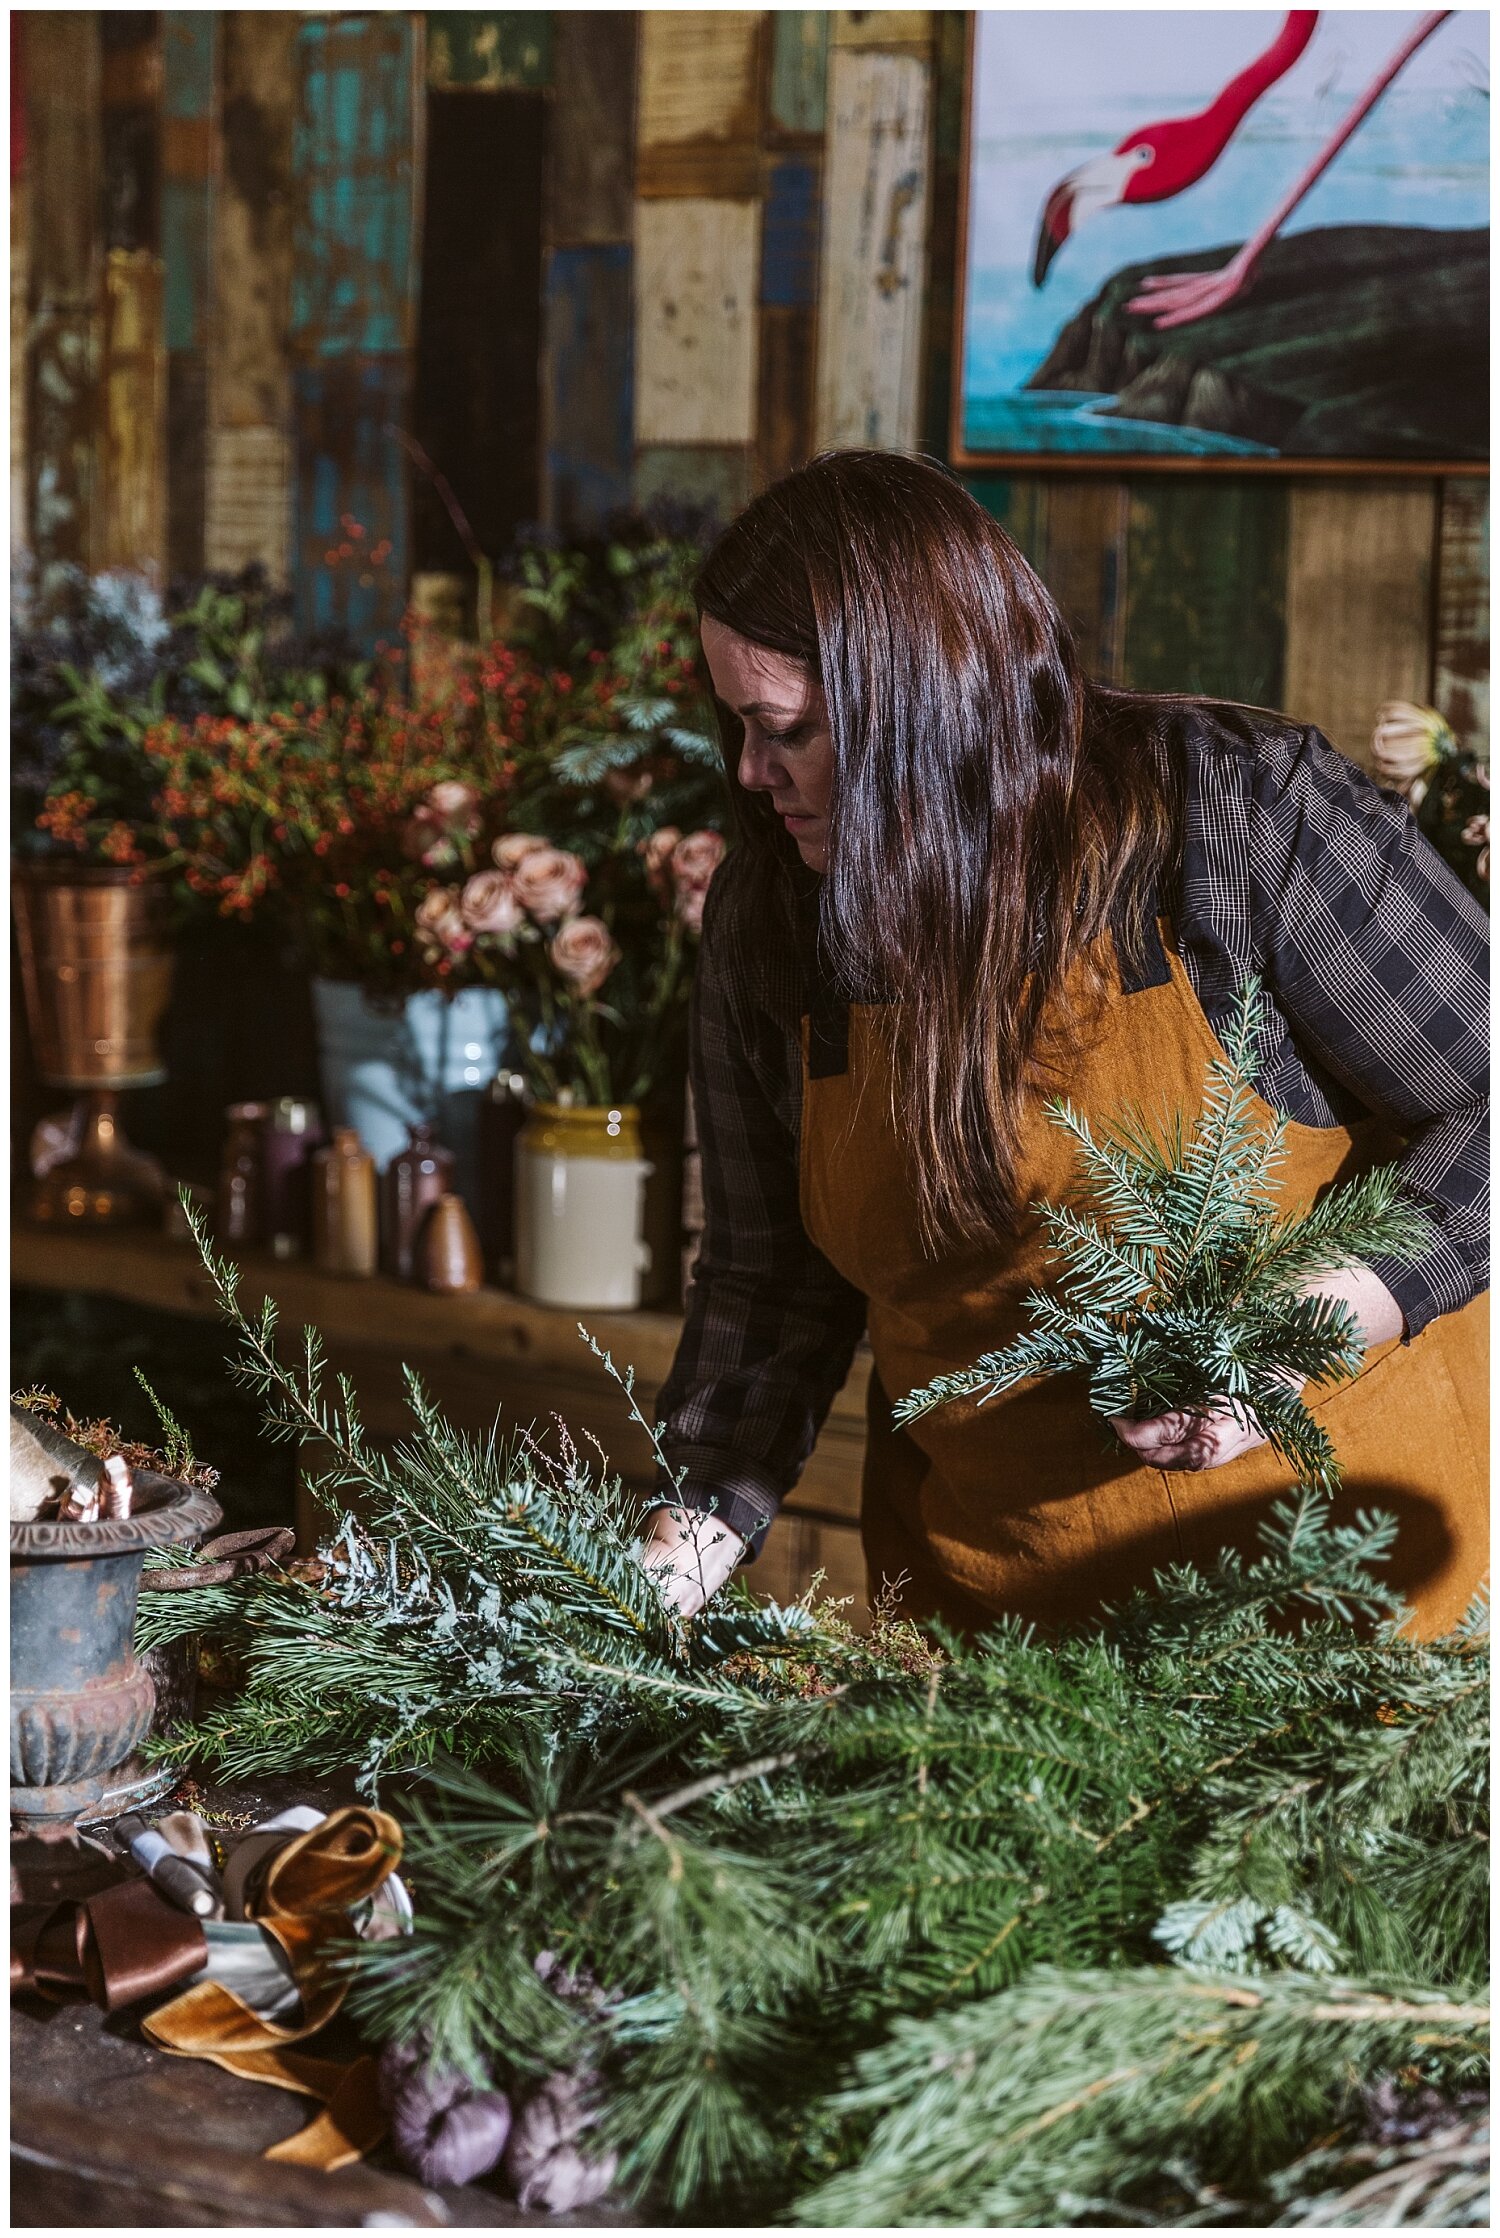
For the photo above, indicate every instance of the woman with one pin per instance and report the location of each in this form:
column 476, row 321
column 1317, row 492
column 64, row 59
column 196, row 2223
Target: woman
column 965, row 879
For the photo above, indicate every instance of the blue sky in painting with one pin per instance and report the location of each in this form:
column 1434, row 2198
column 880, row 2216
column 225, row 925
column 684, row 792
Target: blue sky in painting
column 1054, row 88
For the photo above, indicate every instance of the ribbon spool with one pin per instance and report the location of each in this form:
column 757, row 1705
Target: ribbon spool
column 128, row 1943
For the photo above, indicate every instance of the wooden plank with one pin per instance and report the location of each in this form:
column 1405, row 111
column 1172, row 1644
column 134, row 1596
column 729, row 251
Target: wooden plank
column 487, row 53
column 476, row 402
column 20, row 283
column 698, row 114
column 251, row 384
column 353, row 275
column 1358, row 603
column 875, row 198
column 590, row 193
column 189, row 153
column 248, row 501
column 882, row 30
column 696, row 275
column 950, row 49
column 1084, row 566
column 1019, row 503
column 587, row 385
column 1206, row 568
column 64, row 167
column 712, row 478
column 798, row 91
column 790, row 237
column 350, row 469
column 1461, row 651
column 132, row 524
column 130, row 86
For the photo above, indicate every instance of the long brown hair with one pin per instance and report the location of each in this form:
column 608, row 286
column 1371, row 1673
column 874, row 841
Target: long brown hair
column 993, row 813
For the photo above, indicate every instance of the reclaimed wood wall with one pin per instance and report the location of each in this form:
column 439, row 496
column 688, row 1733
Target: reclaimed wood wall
column 277, row 277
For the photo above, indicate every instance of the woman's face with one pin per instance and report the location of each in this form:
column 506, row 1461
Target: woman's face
column 787, row 751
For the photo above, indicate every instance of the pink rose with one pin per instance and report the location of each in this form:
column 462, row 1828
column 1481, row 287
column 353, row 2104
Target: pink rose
column 513, row 847
column 689, row 907
column 656, row 853
column 440, row 926
column 488, row 903
column 694, row 861
column 583, row 951
column 452, row 802
column 549, row 882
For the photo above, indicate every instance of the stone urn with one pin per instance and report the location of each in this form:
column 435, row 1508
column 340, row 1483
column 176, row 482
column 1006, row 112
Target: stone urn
column 80, row 1701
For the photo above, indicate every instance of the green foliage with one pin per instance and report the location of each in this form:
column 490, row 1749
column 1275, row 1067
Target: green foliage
column 1180, row 1283
column 1107, row 1927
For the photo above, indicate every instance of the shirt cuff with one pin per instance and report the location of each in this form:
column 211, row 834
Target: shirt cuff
column 744, row 1496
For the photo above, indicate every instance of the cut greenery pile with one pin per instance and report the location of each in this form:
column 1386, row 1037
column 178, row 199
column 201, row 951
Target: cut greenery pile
column 1116, row 1928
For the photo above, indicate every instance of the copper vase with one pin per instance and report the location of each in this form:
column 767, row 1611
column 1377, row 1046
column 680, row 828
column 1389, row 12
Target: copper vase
column 96, row 970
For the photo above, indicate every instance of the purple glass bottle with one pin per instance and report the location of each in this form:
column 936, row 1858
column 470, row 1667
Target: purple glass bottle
column 414, row 1180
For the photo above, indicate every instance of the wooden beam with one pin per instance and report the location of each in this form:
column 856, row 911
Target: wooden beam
column 1206, row 569
column 587, row 384
column 489, row 52
column 65, row 177
column 1358, row 603
column 791, row 229
column 1461, row 651
column 249, row 464
column 883, row 30
column 696, row 281
column 797, row 94
column 590, row 193
column 1084, row 566
column 698, row 115
column 132, row 525
column 353, row 294
column 875, row 200
column 189, row 162
column 20, row 284
column 950, row 47
column 714, row 478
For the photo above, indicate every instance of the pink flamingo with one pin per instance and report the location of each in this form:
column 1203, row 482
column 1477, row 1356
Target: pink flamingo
column 1193, row 145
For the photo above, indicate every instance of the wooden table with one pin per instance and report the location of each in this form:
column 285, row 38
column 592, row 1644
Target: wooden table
column 108, row 2132
column 477, row 1354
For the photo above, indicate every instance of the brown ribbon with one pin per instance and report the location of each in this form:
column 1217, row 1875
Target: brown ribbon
column 124, row 1944
column 231, row 1555
column 301, row 1896
column 128, row 1943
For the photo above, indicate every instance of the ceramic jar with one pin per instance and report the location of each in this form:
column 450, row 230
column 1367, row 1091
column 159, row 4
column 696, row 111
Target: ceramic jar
column 448, row 1255
column 580, row 1200
column 345, row 1227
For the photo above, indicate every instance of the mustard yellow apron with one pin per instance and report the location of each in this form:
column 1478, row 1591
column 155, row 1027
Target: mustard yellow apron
column 1025, row 1504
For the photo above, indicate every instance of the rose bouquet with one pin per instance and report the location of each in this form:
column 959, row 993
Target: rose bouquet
column 595, row 964
column 1415, row 753
column 350, row 822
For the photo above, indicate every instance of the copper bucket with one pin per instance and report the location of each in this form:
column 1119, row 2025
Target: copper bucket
column 97, row 971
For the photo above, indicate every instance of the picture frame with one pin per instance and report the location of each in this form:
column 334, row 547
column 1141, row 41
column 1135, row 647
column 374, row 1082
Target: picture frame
column 1255, row 112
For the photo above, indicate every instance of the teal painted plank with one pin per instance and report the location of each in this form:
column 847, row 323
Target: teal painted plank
column 1206, row 576
column 487, row 52
column 1019, row 503
column 187, row 57
column 799, row 69
column 353, row 277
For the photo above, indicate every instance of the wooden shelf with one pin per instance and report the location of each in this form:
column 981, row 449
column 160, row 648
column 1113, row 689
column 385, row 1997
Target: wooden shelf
column 488, row 1353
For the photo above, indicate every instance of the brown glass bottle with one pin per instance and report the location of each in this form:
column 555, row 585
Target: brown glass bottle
column 502, row 1115
column 413, row 1182
column 448, row 1248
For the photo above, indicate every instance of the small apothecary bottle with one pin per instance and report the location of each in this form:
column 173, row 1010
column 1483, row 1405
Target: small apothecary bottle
column 412, row 1184
column 239, row 1210
column 293, row 1130
column 448, row 1249
column 343, row 1206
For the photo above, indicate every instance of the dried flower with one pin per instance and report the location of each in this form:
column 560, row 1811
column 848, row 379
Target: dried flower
column 584, row 951
column 1406, row 746
column 544, row 2160
column 549, row 883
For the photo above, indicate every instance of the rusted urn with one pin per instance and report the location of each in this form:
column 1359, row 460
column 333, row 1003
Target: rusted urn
column 80, row 1701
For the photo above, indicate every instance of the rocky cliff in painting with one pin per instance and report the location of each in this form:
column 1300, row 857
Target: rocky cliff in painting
column 1349, row 341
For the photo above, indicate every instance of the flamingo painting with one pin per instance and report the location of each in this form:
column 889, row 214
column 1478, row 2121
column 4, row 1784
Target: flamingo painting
column 1160, row 160
column 1298, row 260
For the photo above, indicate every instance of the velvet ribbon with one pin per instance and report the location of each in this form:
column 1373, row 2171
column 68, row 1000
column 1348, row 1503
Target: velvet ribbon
column 127, row 1943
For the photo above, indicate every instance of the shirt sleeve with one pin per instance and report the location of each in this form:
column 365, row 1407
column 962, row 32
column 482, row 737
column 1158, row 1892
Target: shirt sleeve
column 1378, row 957
column 771, row 1326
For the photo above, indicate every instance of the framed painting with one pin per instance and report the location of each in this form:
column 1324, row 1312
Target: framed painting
column 1225, row 239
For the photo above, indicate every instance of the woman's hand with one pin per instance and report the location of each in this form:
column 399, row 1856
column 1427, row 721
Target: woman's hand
column 1207, row 1437
column 689, row 1554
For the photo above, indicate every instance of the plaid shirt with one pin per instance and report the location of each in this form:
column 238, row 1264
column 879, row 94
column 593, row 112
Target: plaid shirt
column 1293, row 868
